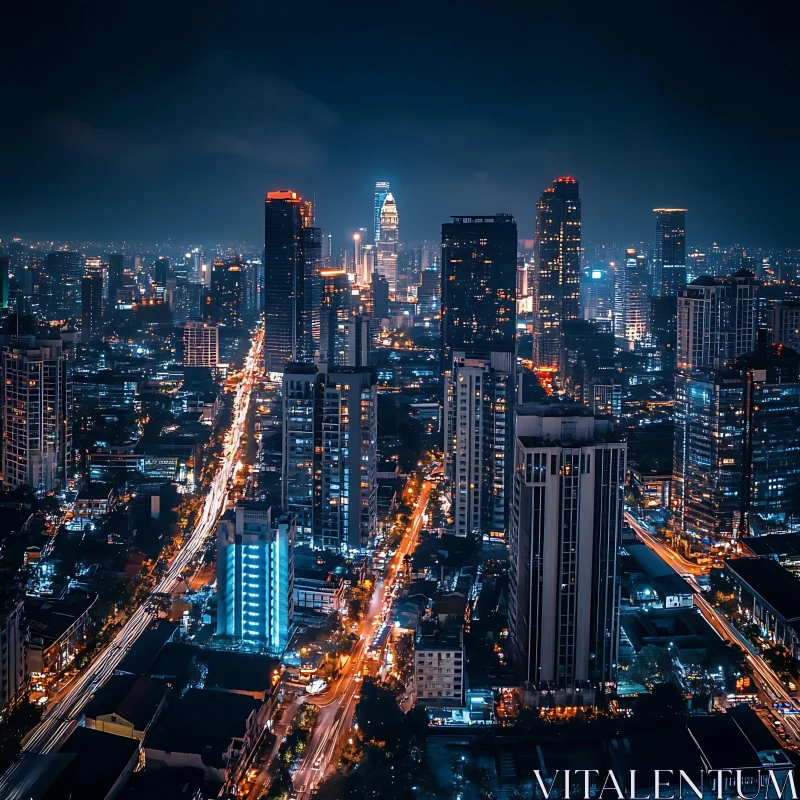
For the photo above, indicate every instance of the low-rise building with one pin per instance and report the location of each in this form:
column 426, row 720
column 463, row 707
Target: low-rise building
column 94, row 501
column 317, row 591
column 126, row 705
column 439, row 664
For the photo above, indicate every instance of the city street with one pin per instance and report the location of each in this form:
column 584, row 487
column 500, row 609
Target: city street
column 335, row 720
column 60, row 717
column 768, row 682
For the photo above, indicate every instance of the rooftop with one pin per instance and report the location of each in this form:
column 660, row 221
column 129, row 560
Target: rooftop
column 132, row 697
column 772, row 582
column 145, row 649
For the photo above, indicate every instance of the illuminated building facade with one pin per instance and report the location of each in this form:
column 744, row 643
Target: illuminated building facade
column 784, row 324
column 227, row 293
column 330, row 455
column 557, row 262
column 200, row 344
column 292, row 259
column 381, row 191
column 739, row 450
column 61, row 295
column 255, row 575
column 669, row 252
column 479, row 399
column 479, row 269
column 37, row 409
column 386, row 248
column 631, row 304
column 566, row 519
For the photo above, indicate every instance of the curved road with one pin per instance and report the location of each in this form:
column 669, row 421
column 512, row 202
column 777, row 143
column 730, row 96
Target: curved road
column 60, row 718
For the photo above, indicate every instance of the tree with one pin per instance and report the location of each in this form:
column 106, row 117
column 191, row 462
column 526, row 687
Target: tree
column 652, row 665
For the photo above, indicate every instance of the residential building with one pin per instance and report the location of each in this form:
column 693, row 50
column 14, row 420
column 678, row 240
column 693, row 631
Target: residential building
column 13, row 655
column 566, row 518
column 201, row 344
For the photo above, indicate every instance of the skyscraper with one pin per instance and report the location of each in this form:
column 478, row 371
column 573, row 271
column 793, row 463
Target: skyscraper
column 329, row 454
column 386, row 251
column 255, row 575
column 5, row 264
column 566, row 518
column 479, row 399
column 381, row 190
column 479, row 269
column 669, row 253
column 557, row 265
column 717, row 322
column 116, row 267
column 62, row 285
column 292, row 256
column 92, row 308
column 37, row 408
column 631, row 305
column 227, row 293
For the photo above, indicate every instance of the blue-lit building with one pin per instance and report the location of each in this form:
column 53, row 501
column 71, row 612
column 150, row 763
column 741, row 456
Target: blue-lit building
column 740, row 447
column 255, row 575
column 381, row 190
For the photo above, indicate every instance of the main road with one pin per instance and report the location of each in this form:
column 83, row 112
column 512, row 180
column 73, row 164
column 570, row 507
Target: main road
column 59, row 720
column 771, row 685
column 335, row 720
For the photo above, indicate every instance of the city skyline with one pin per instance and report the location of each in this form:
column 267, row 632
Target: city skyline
column 161, row 152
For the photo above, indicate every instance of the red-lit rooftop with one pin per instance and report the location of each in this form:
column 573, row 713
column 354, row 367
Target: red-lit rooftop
column 283, row 194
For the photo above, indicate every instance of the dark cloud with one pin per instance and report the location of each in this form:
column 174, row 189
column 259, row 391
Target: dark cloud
column 172, row 119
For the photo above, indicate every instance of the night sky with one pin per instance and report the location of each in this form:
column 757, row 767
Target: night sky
column 151, row 119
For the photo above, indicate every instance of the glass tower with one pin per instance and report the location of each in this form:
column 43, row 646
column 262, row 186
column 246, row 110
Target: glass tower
column 381, row 190
column 669, row 253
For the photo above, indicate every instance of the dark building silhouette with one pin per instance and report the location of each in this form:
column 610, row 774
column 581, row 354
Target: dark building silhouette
column 292, row 255
column 479, row 278
column 92, row 308
column 669, row 252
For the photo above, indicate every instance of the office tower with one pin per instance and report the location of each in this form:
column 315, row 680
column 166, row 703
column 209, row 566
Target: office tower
column 62, row 285
column 37, row 408
column 631, row 304
column 557, row 261
column 353, row 342
column 200, row 344
column 430, row 291
column 92, row 308
column 479, row 398
column 292, row 260
column 784, row 324
column 161, row 270
column 696, row 265
column 669, row 253
column 587, row 357
column 13, row 651
column 227, row 293
column 738, row 453
column 386, row 248
column 565, row 523
column 329, row 454
column 381, row 191
column 336, row 296
column 717, row 320
column 5, row 265
column 479, row 268
column 255, row 575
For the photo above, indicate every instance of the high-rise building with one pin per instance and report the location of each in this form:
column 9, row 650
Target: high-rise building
column 784, row 324
column 479, row 399
column 92, row 307
column 386, row 248
column 430, row 291
column 62, row 285
column 200, row 344
column 380, row 296
column 566, row 518
column 37, row 408
column 227, row 293
column 255, row 575
column 557, row 262
column 381, row 191
column 116, row 275
column 669, row 253
column 737, row 458
column 162, row 270
column 292, row 260
column 13, row 651
column 479, row 269
column 631, row 304
column 336, row 306
column 329, row 454
column 717, row 320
